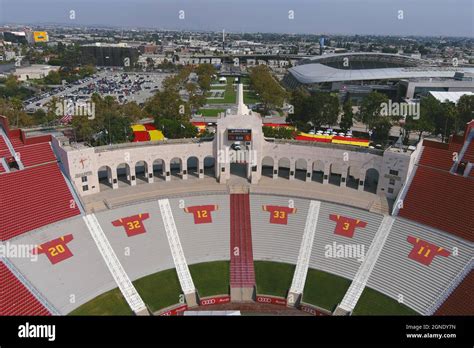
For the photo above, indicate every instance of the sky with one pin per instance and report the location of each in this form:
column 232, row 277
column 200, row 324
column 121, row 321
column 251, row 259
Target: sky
column 381, row 17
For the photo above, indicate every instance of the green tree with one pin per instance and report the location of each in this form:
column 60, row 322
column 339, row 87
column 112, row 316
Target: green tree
column 268, row 89
column 347, row 116
column 299, row 102
column 53, row 78
column 465, row 109
column 381, row 129
column 371, row 107
column 175, row 128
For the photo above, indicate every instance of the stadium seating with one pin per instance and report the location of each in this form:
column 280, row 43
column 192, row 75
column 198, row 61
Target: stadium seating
column 205, row 241
column 418, row 285
column 242, row 273
column 441, row 200
column 436, row 158
column 326, row 240
column 32, row 198
column 4, row 152
column 31, row 155
column 3, row 145
column 461, row 300
column 15, row 298
column 16, row 141
column 277, row 242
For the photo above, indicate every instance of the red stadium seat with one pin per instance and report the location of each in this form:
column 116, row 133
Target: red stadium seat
column 32, row 198
column 15, row 298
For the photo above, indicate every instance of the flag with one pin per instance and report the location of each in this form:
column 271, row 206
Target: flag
column 66, row 119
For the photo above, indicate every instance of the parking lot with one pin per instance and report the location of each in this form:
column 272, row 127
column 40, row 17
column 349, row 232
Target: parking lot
column 124, row 86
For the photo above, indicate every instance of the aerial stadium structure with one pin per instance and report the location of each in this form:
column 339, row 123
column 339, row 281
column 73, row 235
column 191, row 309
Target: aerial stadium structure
column 360, row 73
column 157, row 228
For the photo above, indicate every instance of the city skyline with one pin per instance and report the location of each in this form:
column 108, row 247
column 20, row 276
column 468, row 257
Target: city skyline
column 367, row 17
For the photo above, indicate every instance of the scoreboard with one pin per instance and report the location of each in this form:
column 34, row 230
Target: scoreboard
column 239, row 134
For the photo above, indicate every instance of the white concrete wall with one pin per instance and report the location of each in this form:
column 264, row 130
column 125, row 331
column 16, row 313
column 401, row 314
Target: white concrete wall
column 86, row 162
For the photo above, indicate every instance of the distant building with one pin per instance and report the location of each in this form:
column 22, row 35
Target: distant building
column 15, row 37
column 354, row 75
column 102, row 54
column 148, row 49
column 451, row 97
column 37, row 37
column 35, row 71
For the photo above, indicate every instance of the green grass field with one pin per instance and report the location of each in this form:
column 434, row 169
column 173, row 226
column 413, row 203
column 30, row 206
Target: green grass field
column 373, row 302
column 251, row 98
column 210, row 112
column 229, row 95
column 159, row 290
column 109, row 303
column 273, row 278
column 211, row 278
column 324, row 290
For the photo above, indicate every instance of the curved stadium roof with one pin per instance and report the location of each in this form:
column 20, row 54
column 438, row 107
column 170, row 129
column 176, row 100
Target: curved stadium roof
column 320, row 73
column 387, row 59
column 367, row 66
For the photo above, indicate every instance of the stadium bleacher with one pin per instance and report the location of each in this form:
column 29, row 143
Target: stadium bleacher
column 208, row 241
column 149, row 251
column 72, row 280
column 327, row 242
column 436, row 157
column 461, row 300
column 35, row 154
column 415, row 279
column 15, row 298
column 33, row 197
column 277, row 242
column 442, row 200
column 16, row 141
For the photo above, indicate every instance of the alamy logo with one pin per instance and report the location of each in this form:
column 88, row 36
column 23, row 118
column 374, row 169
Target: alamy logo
column 351, row 251
column 37, row 331
column 80, row 108
column 231, row 156
column 21, row 251
column 400, row 109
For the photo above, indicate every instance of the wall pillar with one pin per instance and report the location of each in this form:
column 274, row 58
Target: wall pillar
column 309, row 171
column 361, row 181
column 184, row 170
column 114, row 179
column 275, row 168
column 292, row 170
column 326, row 175
column 344, row 177
column 200, row 168
column 131, row 175
column 149, row 173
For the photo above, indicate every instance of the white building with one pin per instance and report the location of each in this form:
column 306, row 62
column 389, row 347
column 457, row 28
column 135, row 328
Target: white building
column 35, row 71
column 239, row 149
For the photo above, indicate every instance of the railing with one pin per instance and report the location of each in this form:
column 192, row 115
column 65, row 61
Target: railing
column 115, row 267
column 359, row 282
column 181, row 265
column 301, row 270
